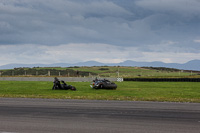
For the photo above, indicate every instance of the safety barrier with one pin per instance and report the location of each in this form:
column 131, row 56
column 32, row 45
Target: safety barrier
column 163, row 79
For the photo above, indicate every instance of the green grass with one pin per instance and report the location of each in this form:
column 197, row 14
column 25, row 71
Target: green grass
column 126, row 72
column 133, row 91
column 133, row 72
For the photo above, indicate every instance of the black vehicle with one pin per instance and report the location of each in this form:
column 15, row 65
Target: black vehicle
column 61, row 85
column 103, row 84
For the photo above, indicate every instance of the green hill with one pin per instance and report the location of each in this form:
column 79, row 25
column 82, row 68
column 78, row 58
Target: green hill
column 101, row 71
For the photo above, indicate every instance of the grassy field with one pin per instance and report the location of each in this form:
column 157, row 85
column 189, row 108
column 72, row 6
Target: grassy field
column 133, row 91
column 112, row 71
column 134, row 72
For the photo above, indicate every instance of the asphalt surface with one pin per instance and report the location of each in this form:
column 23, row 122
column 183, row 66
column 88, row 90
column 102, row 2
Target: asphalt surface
column 18, row 115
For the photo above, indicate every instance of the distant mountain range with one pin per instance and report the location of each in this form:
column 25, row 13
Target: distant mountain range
column 191, row 65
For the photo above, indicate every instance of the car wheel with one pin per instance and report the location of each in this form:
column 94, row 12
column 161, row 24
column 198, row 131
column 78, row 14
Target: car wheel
column 101, row 86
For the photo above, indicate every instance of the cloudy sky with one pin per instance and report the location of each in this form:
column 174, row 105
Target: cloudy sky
column 108, row 31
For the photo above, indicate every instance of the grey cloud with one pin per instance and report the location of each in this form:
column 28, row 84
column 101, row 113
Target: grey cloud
column 139, row 23
column 54, row 22
column 181, row 7
column 31, row 53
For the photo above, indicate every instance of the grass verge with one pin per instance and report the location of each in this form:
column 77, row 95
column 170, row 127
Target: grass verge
column 133, row 91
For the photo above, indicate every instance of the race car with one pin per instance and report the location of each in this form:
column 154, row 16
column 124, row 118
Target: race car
column 103, row 84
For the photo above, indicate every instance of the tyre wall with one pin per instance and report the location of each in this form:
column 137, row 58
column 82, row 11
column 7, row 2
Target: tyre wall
column 163, row 79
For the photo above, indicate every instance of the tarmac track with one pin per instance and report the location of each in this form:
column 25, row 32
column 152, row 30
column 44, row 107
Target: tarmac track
column 22, row 115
